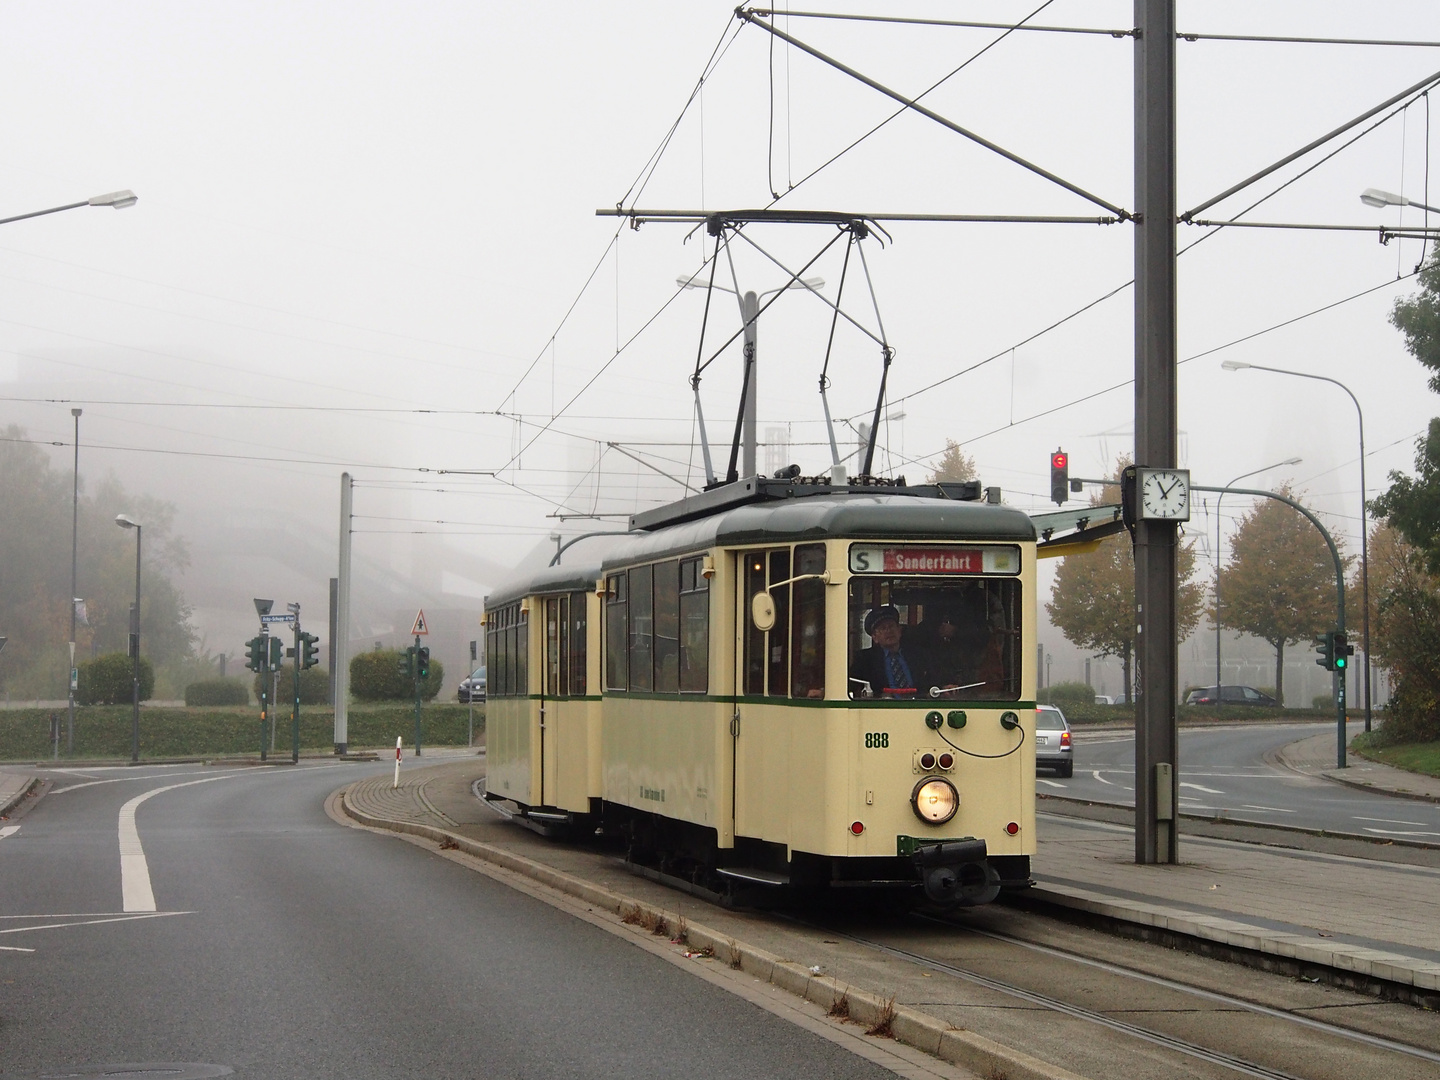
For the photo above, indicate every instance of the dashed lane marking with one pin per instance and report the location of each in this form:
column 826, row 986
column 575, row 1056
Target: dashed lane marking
column 1390, row 821
column 1049, row 783
column 11, row 830
column 1200, row 787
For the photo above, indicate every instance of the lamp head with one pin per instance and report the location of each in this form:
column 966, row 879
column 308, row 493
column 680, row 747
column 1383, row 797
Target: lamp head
column 1292, row 461
column 808, row 283
column 76, row 412
column 126, row 522
column 118, row 199
column 1377, row 198
column 1234, row 365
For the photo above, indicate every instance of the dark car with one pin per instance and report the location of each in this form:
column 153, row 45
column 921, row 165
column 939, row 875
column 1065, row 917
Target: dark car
column 1052, row 741
column 1229, row 695
column 473, row 688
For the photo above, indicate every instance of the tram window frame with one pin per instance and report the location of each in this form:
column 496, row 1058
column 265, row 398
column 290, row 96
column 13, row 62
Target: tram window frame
column 507, row 650
column 694, row 627
column 640, row 644
column 665, row 642
column 617, row 631
column 768, row 664
column 918, row 599
column 577, row 622
column 554, row 646
column 807, row 624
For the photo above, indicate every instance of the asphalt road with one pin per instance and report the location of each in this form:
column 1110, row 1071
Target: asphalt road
column 1224, row 769
column 283, row 945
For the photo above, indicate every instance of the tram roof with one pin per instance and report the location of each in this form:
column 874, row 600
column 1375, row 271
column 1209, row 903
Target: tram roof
column 786, row 521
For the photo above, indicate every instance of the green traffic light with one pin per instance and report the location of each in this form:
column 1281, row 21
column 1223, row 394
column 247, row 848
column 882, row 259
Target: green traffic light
column 1339, row 662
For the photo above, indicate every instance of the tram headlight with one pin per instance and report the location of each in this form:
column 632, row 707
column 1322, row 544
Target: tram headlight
column 935, row 800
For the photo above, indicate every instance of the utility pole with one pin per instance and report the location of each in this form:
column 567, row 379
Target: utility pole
column 74, row 553
column 1157, row 737
column 297, row 657
column 415, row 667
column 340, row 636
column 750, row 313
column 264, row 690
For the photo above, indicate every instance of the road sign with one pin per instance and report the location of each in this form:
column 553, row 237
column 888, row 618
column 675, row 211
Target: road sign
column 420, row 627
column 286, row 618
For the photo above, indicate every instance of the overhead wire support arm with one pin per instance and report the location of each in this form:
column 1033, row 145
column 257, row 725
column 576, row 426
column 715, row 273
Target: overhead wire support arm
column 826, row 217
column 1097, row 31
column 910, row 103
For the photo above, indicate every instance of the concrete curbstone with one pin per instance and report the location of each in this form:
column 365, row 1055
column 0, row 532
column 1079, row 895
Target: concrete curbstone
column 988, row 1058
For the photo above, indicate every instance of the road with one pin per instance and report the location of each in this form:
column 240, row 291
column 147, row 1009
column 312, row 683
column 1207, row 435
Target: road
column 218, row 915
column 1224, row 770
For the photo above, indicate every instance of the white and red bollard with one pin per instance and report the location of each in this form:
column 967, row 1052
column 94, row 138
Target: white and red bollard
column 397, row 762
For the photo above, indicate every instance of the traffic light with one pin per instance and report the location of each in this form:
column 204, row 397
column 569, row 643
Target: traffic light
column 309, row 650
column 407, row 663
column 1059, row 477
column 1325, row 650
column 255, row 654
column 422, row 656
column 1343, row 649
column 277, row 653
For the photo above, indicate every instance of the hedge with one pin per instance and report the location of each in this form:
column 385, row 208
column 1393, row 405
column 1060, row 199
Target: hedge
column 110, row 680
column 217, row 692
column 377, row 676
column 314, row 685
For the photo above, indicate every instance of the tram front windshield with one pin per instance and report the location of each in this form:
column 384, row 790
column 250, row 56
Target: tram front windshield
column 921, row 639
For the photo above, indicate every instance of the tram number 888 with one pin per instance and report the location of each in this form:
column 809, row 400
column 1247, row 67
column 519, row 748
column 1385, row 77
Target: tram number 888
column 877, row 740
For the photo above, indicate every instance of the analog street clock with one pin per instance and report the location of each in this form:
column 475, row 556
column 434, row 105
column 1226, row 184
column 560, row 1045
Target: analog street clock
column 1164, row 494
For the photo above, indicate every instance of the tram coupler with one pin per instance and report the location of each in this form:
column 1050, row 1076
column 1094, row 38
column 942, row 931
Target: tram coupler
column 956, row 872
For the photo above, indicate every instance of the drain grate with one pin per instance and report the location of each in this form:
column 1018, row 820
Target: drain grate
column 149, row 1070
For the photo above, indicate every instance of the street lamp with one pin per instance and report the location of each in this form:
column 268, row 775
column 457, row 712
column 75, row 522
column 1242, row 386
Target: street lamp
column 118, row 199
column 1379, row 199
column 128, row 523
column 1239, row 365
column 1218, row 500
column 74, row 550
column 749, row 313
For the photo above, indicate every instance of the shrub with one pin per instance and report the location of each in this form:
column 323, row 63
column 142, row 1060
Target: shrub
column 1067, row 693
column 1323, row 702
column 217, row 692
column 109, row 680
column 314, row 685
column 377, row 676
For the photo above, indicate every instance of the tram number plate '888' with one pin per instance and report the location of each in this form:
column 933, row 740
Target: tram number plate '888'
column 877, row 740
column 926, row 559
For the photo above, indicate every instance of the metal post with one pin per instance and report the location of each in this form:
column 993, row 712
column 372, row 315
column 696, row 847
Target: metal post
column 749, row 312
column 1157, row 736
column 295, row 713
column 264, row 688
column 415, row 670
column 74, row 586
column 471, row 695
column 135, row 705
column 330, row 651
column 340, row 635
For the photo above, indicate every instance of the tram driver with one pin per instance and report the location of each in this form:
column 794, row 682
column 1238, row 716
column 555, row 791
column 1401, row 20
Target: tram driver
column 883, row 670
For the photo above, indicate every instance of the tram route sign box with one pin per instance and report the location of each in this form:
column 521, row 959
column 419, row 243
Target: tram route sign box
column 933, row 559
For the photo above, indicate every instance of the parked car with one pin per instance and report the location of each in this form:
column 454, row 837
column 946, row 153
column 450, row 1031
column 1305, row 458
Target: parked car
column 472, row 688
column 1104, row 699
column 1052, row 741
column 1229, row 695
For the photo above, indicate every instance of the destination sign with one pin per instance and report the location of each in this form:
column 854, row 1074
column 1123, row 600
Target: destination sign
column 930, row 559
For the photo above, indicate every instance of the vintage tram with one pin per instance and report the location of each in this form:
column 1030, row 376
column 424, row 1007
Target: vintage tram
column 782, row 682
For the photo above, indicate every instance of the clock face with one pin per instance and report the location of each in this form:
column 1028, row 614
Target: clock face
column 1165, row 494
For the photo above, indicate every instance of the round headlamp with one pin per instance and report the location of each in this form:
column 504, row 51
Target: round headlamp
column 935, row 800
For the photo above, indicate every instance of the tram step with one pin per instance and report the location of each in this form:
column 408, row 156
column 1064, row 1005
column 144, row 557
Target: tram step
column 755, row 877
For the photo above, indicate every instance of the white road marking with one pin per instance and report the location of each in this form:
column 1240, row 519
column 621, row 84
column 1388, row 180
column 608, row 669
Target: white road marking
column 1270, row 809
column 1102, row 780
column 91, row 922
column 14, row 948
column 1390, row 821
column 135, row 891
column 1201, row 787
column 1402, row 832
column 11, row 830
column 1048, row 783
column 118, row 780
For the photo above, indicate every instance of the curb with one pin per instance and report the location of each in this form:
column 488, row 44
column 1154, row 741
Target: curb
column 906, row 1025
column 1376, row 789
column 16, row 799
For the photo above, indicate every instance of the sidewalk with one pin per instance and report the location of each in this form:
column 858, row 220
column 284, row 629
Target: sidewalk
column 1306, row 907
column 1315, row 756
column 13, row 787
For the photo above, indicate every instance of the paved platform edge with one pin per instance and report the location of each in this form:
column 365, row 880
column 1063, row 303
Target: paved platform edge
column 11, row 796
column 910, row 1026
column 1403, row 971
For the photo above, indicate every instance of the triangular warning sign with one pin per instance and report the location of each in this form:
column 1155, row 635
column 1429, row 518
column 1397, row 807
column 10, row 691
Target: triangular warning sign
column 420, row 627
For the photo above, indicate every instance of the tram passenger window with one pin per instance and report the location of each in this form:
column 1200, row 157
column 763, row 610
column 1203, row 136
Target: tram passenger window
column 552, row 646
column 576, row 624
column 778, row 639
column 957, row 637
column 807, row 638
column 754, row 638
column 617, row 631
column 694, row 628
column 642, row 629
column 521, row 684
column 667, row 627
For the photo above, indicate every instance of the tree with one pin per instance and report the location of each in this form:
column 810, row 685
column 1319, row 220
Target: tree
column 954, row 466
column 1405, row 635
column 1279, row 583
column 1093, row 599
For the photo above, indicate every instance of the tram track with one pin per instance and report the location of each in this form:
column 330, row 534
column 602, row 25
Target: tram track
column 1231, row 1062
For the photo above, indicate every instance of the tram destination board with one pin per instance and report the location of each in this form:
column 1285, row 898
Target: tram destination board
column 933, row 559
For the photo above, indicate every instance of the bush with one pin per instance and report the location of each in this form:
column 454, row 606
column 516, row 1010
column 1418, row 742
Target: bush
column 1323, row 702
column 109, row 680
column 314, row 685
column 377, row 676
column 217, row 692
column 1067, row 693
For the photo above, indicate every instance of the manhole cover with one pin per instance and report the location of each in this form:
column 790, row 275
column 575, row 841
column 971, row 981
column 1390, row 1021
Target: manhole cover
column 149, row 1070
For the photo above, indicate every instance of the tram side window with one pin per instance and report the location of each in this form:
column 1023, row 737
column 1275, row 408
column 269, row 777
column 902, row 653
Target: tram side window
column 667, row 627
column 554, row 645
column 576, row 624
column 694, row 628
column 642, row 629
column 506, row 651
column 520, row 654
column 807, row 634
column 957, row 637
column 617, row 630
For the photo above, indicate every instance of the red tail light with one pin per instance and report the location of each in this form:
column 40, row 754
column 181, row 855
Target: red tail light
column 857, row 827
column 1064, row 738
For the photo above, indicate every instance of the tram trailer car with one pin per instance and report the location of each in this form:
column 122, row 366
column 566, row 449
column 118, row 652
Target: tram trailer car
column 708, row 686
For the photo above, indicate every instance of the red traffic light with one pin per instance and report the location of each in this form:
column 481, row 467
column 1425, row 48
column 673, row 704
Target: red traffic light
column 1059, row 460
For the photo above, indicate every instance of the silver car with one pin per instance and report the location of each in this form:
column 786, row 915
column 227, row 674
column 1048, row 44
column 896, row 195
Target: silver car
column 1052, row 741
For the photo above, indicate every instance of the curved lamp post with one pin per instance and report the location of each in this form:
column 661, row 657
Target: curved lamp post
column 1218, row 501
column 118, row 199
column 1239, row 365
column 1379, row 199
column 129, row 523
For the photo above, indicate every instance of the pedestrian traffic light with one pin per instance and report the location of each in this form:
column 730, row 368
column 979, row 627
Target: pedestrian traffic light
column 277, row 653
column 255, row 654
column 1059, row 477
column 1343, row 649
column 1325, row 650
column 309, row 650
column 422, row 656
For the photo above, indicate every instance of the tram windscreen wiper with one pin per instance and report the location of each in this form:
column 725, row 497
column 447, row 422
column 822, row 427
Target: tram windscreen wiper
column 936, row 691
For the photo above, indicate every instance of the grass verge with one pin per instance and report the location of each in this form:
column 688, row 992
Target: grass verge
column 103, row 731
column 1414, row 757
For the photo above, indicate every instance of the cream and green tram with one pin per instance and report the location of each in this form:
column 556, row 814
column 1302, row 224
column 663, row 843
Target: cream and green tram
column 784, row 685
